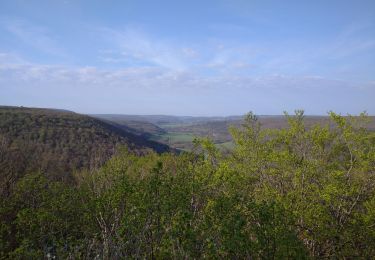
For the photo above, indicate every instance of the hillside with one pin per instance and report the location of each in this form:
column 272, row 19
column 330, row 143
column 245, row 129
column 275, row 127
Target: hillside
column 58, row 142
column 137, row 126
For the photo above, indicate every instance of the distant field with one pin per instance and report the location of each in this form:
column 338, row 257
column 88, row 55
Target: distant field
column 225, row 146
column 181, row 141
column 173, row 137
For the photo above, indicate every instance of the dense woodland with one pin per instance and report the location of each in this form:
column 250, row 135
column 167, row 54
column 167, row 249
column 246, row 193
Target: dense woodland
column 298, row 192
column 58, row 142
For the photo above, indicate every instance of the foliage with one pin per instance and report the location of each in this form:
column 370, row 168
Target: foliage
column 296, row 193
column 57, row 143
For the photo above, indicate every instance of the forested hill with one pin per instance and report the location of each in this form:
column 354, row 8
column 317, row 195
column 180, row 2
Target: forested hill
column 59, row 141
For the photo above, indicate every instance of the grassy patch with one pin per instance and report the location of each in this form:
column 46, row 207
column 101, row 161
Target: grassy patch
column 173, row 138
column 225, row 145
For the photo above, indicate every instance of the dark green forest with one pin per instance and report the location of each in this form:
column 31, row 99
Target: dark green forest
column 291, row 193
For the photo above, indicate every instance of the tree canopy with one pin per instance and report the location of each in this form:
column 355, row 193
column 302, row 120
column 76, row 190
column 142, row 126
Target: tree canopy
column 294, row 193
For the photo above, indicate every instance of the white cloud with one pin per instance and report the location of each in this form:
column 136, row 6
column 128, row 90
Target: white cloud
column 14, row 69
column 134, row 47
column 160, row 90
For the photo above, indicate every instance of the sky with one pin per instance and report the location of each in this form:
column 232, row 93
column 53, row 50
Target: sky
column 202, row 58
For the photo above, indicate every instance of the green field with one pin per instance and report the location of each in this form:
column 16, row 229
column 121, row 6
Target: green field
column 173, row 137
column 180, row 141
column 226, row 146
column 184, row 141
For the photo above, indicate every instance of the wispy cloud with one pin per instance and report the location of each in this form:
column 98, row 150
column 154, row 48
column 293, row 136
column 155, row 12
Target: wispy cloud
column 135, row 47
column 351, row 41
column 13, row 68
column 35, row 36
column 348, row 48
column 126, row 90
column 9, row 60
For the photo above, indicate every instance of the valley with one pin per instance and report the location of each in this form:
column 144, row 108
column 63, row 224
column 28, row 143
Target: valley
column 179, row 132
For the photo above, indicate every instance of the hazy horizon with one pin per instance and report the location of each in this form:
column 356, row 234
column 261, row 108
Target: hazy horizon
column 291, row 112
column 192, row 58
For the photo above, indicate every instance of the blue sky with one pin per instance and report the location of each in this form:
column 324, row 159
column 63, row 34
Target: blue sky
column 188, row 57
